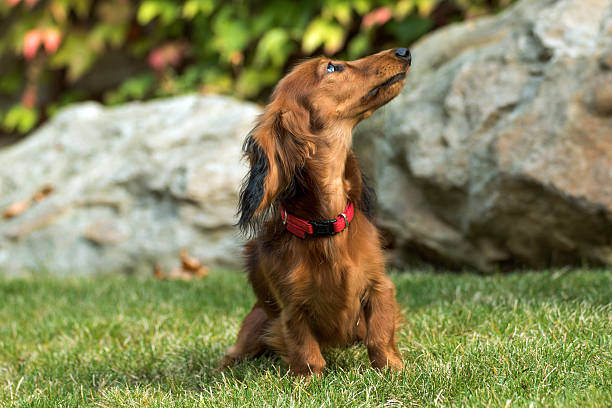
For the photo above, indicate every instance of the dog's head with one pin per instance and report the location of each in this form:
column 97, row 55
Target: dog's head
column 318, row 99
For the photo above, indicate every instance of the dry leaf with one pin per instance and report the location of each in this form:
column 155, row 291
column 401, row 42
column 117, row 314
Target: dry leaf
column 190, row 269
column 201, row 272
column 43, row 193
column 188, row 262
column 180, row 274
column 15, row 209
column 157, row 272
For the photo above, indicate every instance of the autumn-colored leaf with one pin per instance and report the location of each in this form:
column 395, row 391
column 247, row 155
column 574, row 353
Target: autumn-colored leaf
column 188, row 262
column 15, row 209
column 201, row 272
column 191, row 268
column 43, row 193
column 167, row 55
column 157, row 272
column 377, row 17
column 31, row 43
column 51, row 39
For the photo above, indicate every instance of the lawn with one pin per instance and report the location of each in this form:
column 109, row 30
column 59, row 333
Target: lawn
column 522, row 339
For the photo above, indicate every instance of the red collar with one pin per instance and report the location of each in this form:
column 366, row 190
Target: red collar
column 301, row 228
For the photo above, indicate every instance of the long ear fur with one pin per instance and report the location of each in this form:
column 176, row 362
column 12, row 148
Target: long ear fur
column 277, row 148
column 252, row 191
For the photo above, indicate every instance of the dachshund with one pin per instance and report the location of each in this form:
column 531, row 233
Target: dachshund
column 320, row 281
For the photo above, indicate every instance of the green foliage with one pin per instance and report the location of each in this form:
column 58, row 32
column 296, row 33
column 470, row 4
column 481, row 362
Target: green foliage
column 20, row 119
column 518, row 340
column 55, row 48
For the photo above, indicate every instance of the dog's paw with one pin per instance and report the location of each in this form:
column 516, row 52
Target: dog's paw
column 390, row 362
column 227, row 362
column 307, row 370
column 395, row 364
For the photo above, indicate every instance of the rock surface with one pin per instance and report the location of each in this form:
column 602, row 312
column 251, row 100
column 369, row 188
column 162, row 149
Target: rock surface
column 499, row 150
column 497, row 153
column 132, row 186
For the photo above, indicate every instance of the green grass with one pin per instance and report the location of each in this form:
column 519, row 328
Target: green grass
column 513, row 340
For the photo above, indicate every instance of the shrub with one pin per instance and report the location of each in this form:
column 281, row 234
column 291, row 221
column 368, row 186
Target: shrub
column 56, row 52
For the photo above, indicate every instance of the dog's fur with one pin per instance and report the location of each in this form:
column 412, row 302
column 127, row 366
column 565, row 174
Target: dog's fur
column 317, row 292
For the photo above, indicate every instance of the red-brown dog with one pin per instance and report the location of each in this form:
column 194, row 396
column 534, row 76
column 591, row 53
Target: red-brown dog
column 318, row 276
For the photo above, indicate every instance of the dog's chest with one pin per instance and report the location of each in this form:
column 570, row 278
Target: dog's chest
column 331, row 297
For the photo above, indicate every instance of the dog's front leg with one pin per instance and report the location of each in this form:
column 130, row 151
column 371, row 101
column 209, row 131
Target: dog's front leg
column 303, row 350
column 380, row 313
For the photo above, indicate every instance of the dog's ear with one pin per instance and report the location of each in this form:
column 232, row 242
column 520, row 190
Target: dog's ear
column 253, row 186
column 277, row 148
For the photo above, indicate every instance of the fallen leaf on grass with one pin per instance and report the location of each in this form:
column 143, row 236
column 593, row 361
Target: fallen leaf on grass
column 191, row 268
column 188, row 262
column 201, row 272
column 157, row 272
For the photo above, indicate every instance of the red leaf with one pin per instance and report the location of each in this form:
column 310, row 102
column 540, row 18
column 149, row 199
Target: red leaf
column 31, row 42
column 52, row 39
column 378, row 16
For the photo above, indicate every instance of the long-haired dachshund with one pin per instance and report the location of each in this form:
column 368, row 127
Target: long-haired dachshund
column 315, row 263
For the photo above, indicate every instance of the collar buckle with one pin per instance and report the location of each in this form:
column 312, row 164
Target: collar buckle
column 323, row 228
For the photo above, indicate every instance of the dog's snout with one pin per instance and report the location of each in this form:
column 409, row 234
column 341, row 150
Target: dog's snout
column 404, row 53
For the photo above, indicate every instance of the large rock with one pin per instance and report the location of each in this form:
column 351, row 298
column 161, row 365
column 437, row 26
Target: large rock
column 499, row 150
column 132, row 186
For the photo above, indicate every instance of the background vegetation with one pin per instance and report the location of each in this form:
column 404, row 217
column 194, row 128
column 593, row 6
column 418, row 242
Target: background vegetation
column 54, row 52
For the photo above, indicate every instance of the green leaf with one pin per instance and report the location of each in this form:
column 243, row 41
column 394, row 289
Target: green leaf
column 77, row 54
column 314, row 36
column 147, row 12
column 11, row 82
column 216, row 80
column 362, row 6
column 230, row 34
column 167, row 11
column 341, row 10
column 20, row 119
column 107, row 34
column 425, row 6
column 274, row 47
column 410, row 29
column 253, row 80
column 358, row 46
column 135, row 88
column 195, row 7
column 81, row 7
column 323, row 32
column 403, row 8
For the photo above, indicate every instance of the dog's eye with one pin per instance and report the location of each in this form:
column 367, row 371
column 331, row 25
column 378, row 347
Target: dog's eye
column 334, row 68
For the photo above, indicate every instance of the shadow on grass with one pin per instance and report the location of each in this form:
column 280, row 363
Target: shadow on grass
column 190, row 369
column 194, row 370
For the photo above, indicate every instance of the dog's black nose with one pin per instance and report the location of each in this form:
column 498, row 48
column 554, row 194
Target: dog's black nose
column 404, row 53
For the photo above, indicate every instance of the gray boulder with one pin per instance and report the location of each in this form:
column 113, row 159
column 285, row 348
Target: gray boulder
column 497, row 153
column 132, row 186
column 499, row 150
